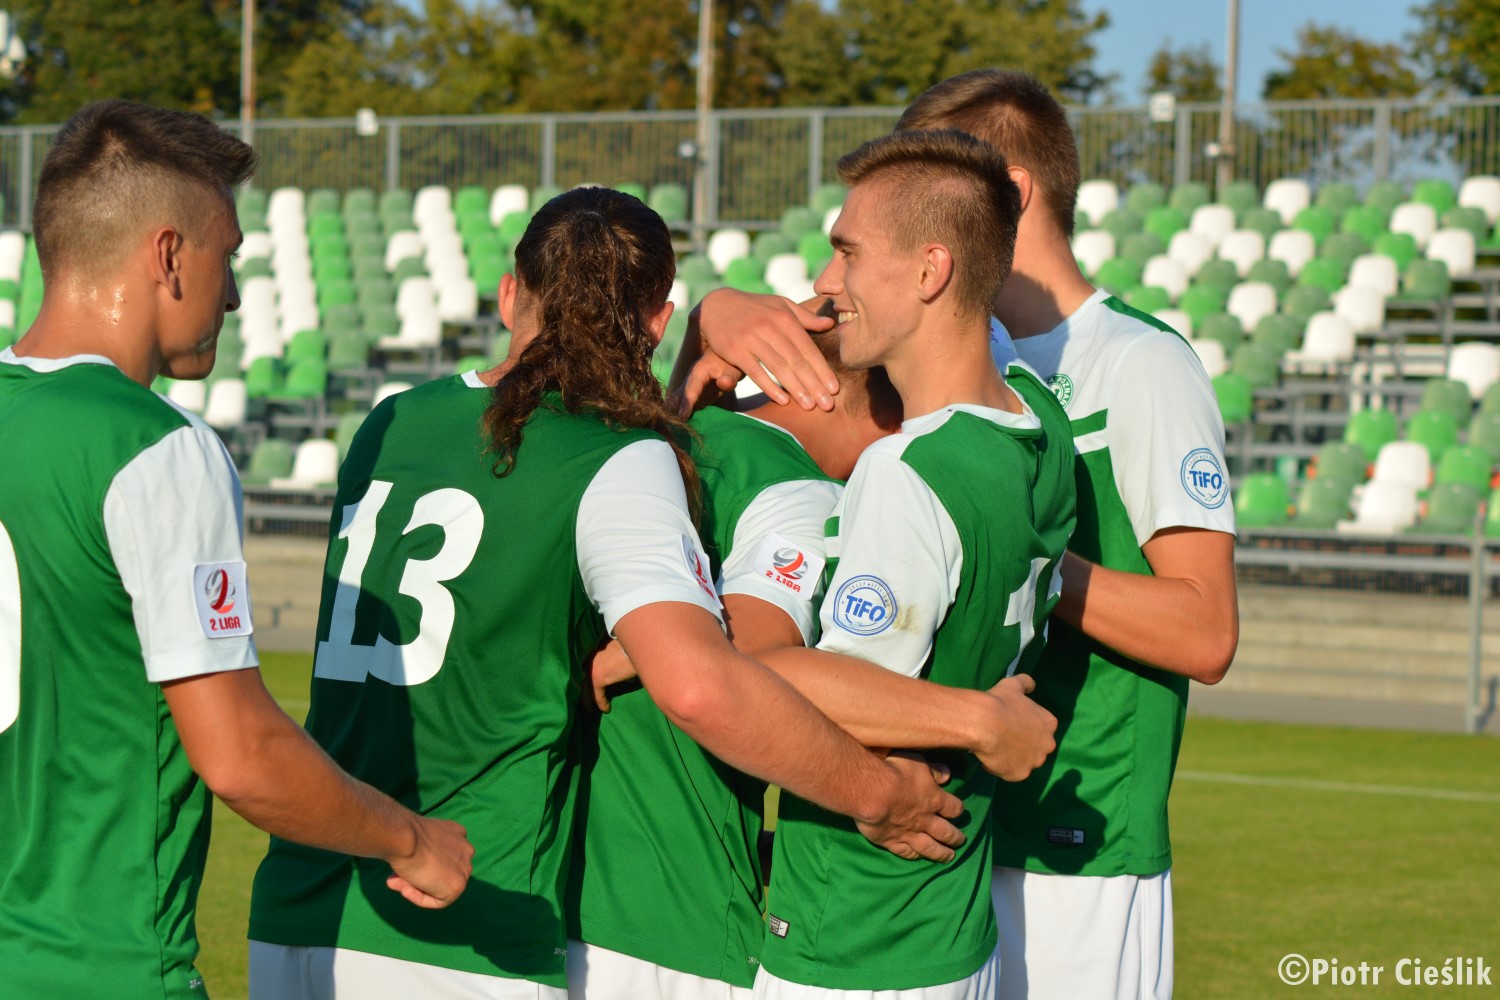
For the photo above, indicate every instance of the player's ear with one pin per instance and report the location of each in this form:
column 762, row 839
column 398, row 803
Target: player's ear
column 165, row 263
column 508, row 286
column 658, row 322
column 1022, row 177
column 936, row 271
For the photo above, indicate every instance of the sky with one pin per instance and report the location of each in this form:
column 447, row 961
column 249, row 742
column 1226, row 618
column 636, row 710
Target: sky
column 1137, row 30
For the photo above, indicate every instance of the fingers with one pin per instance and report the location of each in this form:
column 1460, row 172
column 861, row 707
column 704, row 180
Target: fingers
column 926, row 848
column 415, row 896
column 1026, row 682
column 950, row 806
column 601, row 699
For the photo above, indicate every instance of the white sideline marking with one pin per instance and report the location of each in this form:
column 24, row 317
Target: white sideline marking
column 1312, row 784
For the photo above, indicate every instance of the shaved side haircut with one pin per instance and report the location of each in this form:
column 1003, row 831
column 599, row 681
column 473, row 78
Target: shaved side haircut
column 944, row 186
column 117, row 170
column 1019, row 117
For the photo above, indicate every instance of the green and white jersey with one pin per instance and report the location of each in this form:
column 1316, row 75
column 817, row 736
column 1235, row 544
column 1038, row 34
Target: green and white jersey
column 947, row 543
column 667, row 869
column 1150, row 455
column 121, row 567
column 457, row 610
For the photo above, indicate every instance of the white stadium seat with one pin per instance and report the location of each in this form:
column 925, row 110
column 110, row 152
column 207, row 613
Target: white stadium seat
column 1093, row 247
column 1168, row 273
column 1476, row 365
column 415, row 293
column 1287, row 197
column 1242, row 248
column 507, row 198
column 421, row 328
column 256, row 245
column 401, row 246
column 1417, row 218
column 435, row 199
column 1193, row 249
column 1251, row 301
column 388, row 390
column 12, row 254
column 678, row 296
column 1328, row 340
column 1455, row 248
column 7, row 314
column 458, row 301
column 1405, row 462
column 1482, row 192
column 1363, row 307
column 286, row 203
column 1211, row 353
column 1177, row 320
column 830, row 217
column 1294, row 248
column 1382, row 508
column 1374, row 270
column 298, row 316
column 1097, row 198
column 1213, row 221
column 225, row 408
column 191, row 396
column 786, row 272
column 316, row 464
column 727, row 245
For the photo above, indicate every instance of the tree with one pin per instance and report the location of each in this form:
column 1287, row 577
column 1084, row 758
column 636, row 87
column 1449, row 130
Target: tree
column 1190, row 73
column 1458, row 44
column 1329, row 62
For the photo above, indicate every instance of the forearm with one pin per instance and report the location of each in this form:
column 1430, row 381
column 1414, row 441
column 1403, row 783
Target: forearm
column 879, row 707
column 1182, row 626
column 689, row 353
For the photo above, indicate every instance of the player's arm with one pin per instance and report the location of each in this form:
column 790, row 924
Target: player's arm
column 266, row 768
column 733, row 333
column 1166, row 443
column 172, row 517
column 642, row 566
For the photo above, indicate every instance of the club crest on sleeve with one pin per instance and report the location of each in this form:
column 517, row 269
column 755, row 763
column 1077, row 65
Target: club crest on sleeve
column 788, row 565
column 1203, row 478
column 698, row 566
column 1062, row 388
column 864, row 605
column 223, row 599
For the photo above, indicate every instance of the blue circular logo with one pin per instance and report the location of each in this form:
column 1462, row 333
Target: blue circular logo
column 864, row 605
column 1203, row 478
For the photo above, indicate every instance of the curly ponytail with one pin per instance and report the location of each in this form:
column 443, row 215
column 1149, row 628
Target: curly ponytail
column 596, row 265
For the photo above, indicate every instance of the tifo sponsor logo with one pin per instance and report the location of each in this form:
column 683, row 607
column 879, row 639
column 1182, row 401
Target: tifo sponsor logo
column 1062, row 387
column 220, row 591
column 1203, row 478
column 864, row 605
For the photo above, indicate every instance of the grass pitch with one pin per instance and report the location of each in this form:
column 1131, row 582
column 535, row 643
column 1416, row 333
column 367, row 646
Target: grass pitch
column 1335, row 844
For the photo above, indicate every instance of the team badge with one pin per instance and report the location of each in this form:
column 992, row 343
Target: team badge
column 1062, row 388
column 864, row 605
column 788, row 565
column 223, row 599
column 1203, row 478
column 698, row 566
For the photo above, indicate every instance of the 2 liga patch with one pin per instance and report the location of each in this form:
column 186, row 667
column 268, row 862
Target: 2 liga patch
column 223, row 599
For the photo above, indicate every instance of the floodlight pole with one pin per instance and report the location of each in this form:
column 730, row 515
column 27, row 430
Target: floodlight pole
column 247, row 73
column 701, row 192
column 1226, row 111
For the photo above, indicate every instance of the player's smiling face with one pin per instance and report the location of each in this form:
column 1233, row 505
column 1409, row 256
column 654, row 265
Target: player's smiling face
column 190, row 337
column 872, row 285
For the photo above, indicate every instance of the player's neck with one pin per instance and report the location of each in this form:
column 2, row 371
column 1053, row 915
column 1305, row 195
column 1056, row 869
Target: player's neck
column 947, row 363
column 1044, row 288
column 832, row 440
column 70, row 325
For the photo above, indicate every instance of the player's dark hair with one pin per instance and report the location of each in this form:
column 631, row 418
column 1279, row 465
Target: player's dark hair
column 945, row 186
column 1018, row 116
column 117, row 167
column 595, row 265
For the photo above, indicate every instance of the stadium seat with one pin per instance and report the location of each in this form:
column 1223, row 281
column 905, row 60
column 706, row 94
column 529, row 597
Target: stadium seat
column 743, row 272
column 1448, row 396
column 1092, row 248
column 224, row 410
column 1211, row 354
column 1481, row 192
column 505, row 199
column 1192, row 249
column 1337, row 197
column 670, row 201
column 1371, row 430
column 1342, row 461
column 543, row 193
column 727, row 245
column 1471, row 219
column 1382, row 508
column 1201, row 301
column 261, row 377
column 1451, row 509
column 1119, row 275
column 191, row 396
column 271, row 459
column 770, row 243
column 1140, row 247
column 305, row 344
column 786, row 271
column 1385, row 196
column 1327, row 341
column 1242, row 247
column 1143, row 197
column 1435, row 193
column 1257, row 364
column 1344, row 247
column 458, row 301
column 1376, row 271
column 1241, row 197
column 830, row 217
column 1400, row 247
column 343, row 434
column 1212, row 221
column 1221, row 275
column 1484, row 432
column 1455, row 248
column 1249, row 301
column 1262, row 501
column 1188, row 196
column 306, row 379
column 1315, row 221
column 1426, row 280
column 1273, row 273
column 315, row 465
column 404, row 245
column 1464, row 463
column 1364, row 308
column 1321, row 504
column 1287, row 197
column 1235, row 396
column 828, row 196
column 1177, row 320
column 1417, row 220
column 1277, row 332
column 799, row 220
column 360, row 201
column 1294, row 248
column 1164, row 223
column 1222, row 327
column 1326, row 273
column 1167, row 273
column 1476, row 365
column 1365, row 221
column 1265, row 221
column 348, row 351
column 1434, row 430
column 1302, row 301
column 387, row 390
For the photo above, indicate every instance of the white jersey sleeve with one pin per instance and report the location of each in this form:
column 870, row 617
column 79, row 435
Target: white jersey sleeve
column 899, row 559
column 1166, row 439
column 172, row 517
column 636, row 543
column 777, row 553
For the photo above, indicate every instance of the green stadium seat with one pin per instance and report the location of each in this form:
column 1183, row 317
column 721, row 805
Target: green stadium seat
column 1302, row 301
column 1236, row 397
column 1278, row 332
column 695, row 268
column 394, row 200
column 828, row 196
column 1140, row 247
column 307, row 379
column 1121, row 223
column 411, row 267
column 1344, row 247
column 744, row 272
column 1365, row 221
column 379, row 322
column 1465, row 463
column 1222, row 327
column 336, row 292
column 513, row 227
column 252, row 200
column 1385, row 196
column 771, row 243
column 1273, row 272
column 261, row 378
column 1201, row 301
column 486, row 272
column 255, row 267
column 1142, row 198
column 1371, row 430
column 1149, row 298
column 1081, row 221
column 1470, row 218
column 271, row 459
column 326, row 269
column 1400, row 247
column 348, row 350
column 1437, row 193
column 1242, row 196
column 1448, row 396
column 798, row 221
column 321, row 200
column 343, row 433
column 1318, row 221
column 816, row 250
column 361, row 201
column 1262, row 501
column 1257, row 364
column 1344, row 461
column 1118, row 275
column 471, row 199
column 1338, row 197
column 543, row 193
column 1321, row 504
column 356, row 226
column 1187, row 196
column 303, row 345
column 1484, row 432
column 1426, row 280
column 1266, row 221
column 670, row 201
column 471, row 363
column 7, row 336
column 1219, row 274
column 1165, row 222
column 1435, row 430
column 637, row 191
column 1490, row 401
column 1452, row 509
column 10, row 290
column 1327, row 273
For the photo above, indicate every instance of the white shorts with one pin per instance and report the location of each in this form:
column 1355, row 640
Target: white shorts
column 980, row 986
column 1063, row 937
column 596, row 973
column 284, row 972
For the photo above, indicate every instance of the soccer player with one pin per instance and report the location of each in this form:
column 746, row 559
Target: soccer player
column 667, row 893
column 126, row 659
column 1084, row 894
column 946, row 543
column 489, row 531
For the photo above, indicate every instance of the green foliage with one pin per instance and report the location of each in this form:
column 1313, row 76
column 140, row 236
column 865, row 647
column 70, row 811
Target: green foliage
column 1458, row 44
column 1189, row 73
column 1330, row 62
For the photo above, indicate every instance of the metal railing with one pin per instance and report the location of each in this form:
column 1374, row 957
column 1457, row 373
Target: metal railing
column 761, row 162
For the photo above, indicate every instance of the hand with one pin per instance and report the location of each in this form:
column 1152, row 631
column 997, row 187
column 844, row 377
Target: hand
column 438, row 868
column 1021, row 735
column 755, row 333
column 916, row 823
column 608, row 665
column 709, row 378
